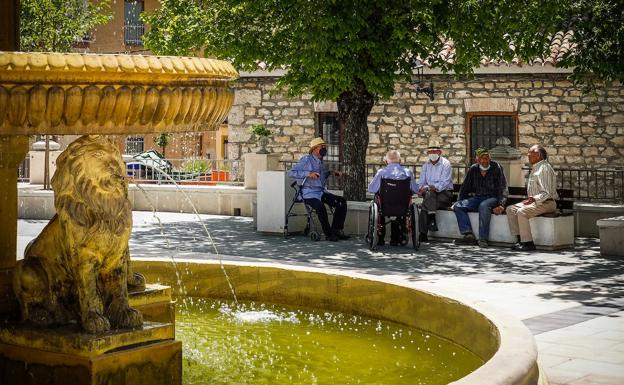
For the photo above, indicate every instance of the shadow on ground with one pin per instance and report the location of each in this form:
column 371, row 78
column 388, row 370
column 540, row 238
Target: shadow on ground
column 580, row 274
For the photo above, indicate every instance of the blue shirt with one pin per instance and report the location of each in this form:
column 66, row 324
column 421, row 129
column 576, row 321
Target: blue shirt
column 392, row 171
column 439, row 175
column 312, row 188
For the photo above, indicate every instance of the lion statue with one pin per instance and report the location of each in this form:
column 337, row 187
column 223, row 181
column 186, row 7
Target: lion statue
column 78, row 268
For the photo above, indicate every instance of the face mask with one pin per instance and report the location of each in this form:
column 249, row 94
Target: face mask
column 323, row 152
column 434, row 157
column 484, row 168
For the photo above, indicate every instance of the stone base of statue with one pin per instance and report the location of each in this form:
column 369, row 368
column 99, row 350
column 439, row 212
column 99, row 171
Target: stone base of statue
column 67, row 355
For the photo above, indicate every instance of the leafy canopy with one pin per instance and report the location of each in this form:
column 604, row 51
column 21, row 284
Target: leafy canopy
column 328, row 46
column 54, row 25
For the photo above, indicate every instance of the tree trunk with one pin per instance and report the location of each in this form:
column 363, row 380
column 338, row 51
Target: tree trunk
column 353, row 109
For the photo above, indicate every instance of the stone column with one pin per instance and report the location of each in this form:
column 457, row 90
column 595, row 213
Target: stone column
column 511, row 161
column 13, row 149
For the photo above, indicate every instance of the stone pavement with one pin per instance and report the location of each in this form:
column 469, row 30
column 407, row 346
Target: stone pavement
column 572, row 300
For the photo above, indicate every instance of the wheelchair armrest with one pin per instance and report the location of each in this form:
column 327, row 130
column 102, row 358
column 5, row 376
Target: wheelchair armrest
column 293, row 184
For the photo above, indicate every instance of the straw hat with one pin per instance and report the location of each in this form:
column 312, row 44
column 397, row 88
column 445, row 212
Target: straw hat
column 316, row 142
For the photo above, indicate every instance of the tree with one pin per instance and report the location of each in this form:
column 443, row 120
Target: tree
column 598, row 27
column 353, row 51
column 55, row 25
column 162, row 140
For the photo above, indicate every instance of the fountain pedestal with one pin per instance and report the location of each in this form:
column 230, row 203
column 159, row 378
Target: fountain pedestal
column 149, row 355
column 65, row 356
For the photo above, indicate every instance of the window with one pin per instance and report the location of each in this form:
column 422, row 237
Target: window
column 328, row 127
column 485, row 128
column 134, row 145
column 133, row 27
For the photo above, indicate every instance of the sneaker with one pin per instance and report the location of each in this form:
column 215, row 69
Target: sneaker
column 516, row 246
column 342, row 235
column 483, row 243
column 468, row 239
column 423, row 237
column 527, row 246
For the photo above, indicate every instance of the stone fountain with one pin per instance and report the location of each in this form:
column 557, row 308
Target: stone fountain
column 68, row 315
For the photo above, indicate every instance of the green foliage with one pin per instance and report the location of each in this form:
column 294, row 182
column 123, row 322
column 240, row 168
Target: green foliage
column 260, row 130
column 196, row 166
column 327, row 45
column 54, row 25
column 598, row 27
column 176, row 27
column 162, row 140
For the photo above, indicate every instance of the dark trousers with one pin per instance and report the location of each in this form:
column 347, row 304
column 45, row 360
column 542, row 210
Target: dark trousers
column 397, row 229
column 340, row 211
column 432, row 201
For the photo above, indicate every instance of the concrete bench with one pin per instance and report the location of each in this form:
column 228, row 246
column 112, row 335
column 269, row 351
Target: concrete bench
column 549, row 233
column 611, row 236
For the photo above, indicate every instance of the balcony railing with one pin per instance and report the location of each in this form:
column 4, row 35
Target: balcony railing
column 186, row 171
column 589, row 185
column 133, row 34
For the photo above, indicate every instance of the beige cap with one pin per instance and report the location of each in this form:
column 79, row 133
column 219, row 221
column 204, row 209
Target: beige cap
column 316, row 142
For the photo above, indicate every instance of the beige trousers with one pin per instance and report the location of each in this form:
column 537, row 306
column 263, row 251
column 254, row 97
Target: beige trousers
column 519, row 214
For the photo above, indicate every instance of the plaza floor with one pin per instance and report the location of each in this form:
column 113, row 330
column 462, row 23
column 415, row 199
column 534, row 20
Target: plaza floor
column 572, row 300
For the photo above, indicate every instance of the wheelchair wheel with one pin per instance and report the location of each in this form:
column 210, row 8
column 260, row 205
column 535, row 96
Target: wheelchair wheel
column 315, row 236
column 414, row 228
column 372, row 237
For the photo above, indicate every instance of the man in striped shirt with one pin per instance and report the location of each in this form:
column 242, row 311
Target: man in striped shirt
column 542, row 193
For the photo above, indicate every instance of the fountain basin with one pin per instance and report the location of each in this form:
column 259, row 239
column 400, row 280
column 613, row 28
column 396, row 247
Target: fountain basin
column 502, row 342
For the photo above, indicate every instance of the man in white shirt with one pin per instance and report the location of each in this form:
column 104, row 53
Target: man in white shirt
column 435, row 185
column 542, row 193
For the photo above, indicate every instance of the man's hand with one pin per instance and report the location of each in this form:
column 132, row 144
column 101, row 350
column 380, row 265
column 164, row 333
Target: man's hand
column 313, row 175
column 422, row 190
column 432, row 188
column 528, row 201
column 498, row 210
column 338, row 173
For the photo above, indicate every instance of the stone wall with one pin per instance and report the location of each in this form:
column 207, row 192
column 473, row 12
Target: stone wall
column 576, row 129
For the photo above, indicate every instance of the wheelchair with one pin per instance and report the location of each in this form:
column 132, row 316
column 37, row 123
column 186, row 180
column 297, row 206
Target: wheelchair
column 394, row 199
column 312, row 228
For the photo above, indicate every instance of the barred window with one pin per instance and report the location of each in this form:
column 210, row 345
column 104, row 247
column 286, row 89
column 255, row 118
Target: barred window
column 485, row 128
column 328, row 127
column 134, row 145
column 133, row 26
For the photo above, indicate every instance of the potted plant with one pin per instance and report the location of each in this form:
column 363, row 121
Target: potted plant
column 262, row 134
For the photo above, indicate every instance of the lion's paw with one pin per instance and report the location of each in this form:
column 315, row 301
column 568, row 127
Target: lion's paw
column 96, row 323
column 129, row 318
column 136, row 282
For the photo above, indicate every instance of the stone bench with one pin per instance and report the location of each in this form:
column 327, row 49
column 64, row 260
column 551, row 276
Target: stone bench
column 611, row 236
column 549, row 232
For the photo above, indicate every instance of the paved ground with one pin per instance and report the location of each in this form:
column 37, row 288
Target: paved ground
column 572, row 300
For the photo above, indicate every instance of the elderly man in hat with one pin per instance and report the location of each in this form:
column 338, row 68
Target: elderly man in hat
column 487, row 184
column 393, row 171
column 311, row 169
column 435, row 185
column 542, row 193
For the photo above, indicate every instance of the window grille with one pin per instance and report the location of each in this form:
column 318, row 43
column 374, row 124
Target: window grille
column 133, row 26
column 328, row 127
column 485, row 129
column 134, row 145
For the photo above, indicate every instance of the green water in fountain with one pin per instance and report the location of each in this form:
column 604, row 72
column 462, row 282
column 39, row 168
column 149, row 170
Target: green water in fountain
column 274, row 344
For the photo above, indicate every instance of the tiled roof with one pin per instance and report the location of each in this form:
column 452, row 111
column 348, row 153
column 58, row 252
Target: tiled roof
column 561, row 44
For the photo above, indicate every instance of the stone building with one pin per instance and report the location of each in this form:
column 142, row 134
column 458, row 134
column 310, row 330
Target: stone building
column 526, row 103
